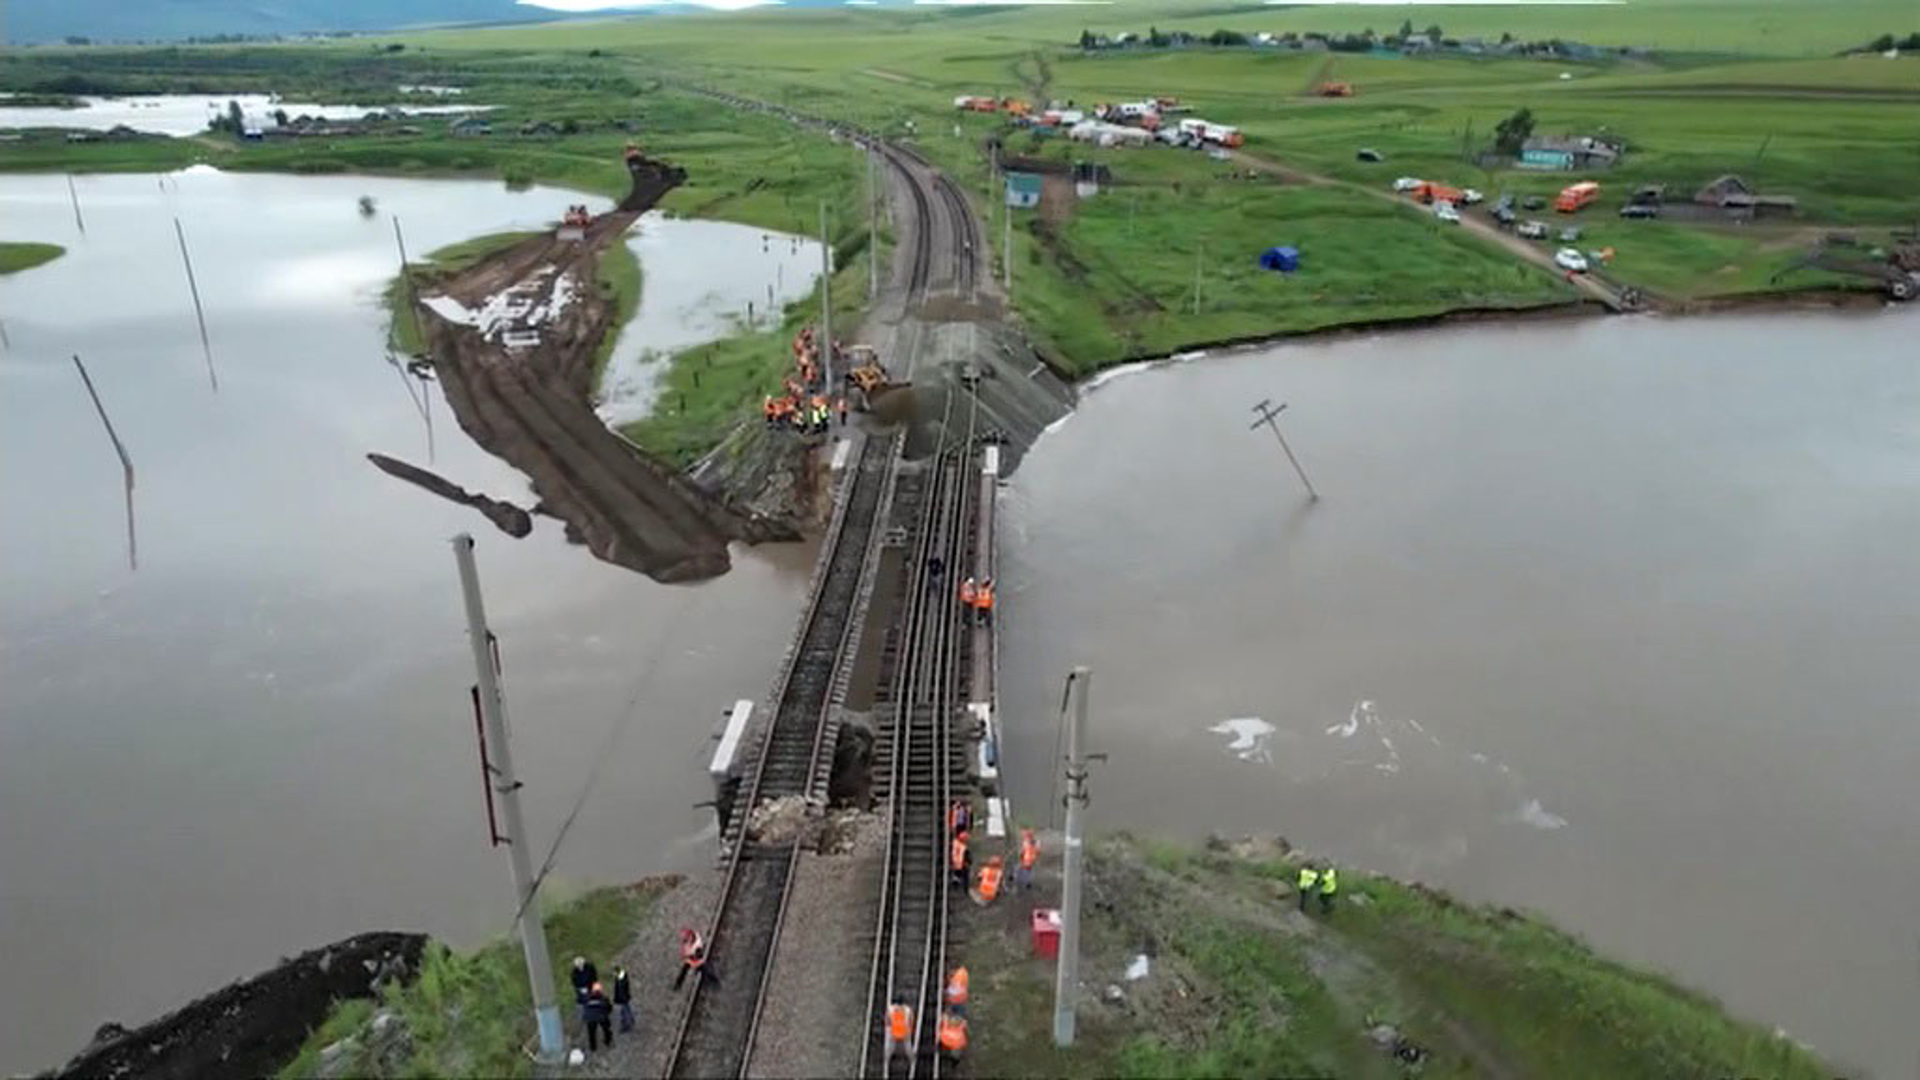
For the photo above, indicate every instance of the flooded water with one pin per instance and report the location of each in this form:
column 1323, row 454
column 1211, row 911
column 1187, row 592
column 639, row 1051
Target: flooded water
column 1612, row 620
column 698, row 279
column 261, row 740
column 185, row 114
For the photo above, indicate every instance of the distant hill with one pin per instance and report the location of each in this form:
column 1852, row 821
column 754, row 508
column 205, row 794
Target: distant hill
column 29, row 21
column 44, row 21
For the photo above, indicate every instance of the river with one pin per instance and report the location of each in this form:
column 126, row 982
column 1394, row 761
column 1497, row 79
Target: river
column 181, row 115
column 260, row 741
column 1614, row 620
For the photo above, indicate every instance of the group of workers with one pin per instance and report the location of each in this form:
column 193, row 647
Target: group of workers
column 1317, row 881
column 977, row 597
column 595, row 1008
column 804, row 406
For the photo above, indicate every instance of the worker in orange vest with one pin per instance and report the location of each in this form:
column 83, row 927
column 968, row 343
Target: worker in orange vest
column 953, row 1035
column 1029, row 854
column 989, row 886
column 983, row 602
column 969, row 594
column 959, row 859
column 693, row 958
column 770, row 411
column 957, row 990
column 899, row 1029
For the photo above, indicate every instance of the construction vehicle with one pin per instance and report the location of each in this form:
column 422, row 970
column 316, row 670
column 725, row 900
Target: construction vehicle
column 1015, row 107
column 1334, row 89
column 633, row 154
column 1430, row 193
column 865, row 372
column 1897, row 269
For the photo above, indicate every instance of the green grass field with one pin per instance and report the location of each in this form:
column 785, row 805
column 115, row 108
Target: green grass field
column 15, row 257
column 468, row 1013
column 1735, row 86
column 1239, row 985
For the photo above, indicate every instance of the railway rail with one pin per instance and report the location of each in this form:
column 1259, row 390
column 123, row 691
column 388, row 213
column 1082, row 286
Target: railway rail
column 717, row 1025
column 923, row 757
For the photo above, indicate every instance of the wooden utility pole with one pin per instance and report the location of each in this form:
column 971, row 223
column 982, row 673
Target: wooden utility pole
column 1268, row 414
column 126, row 463
column 193, row 286
column 826, row 299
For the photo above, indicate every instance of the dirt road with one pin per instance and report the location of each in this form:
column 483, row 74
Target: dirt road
column 1588, row 285
column 513, row 339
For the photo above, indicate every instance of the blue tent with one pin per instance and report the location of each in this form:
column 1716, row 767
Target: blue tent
column 1284, row 259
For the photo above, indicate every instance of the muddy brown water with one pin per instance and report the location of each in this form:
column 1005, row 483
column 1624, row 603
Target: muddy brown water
column 261, row 741
column 1615, row 620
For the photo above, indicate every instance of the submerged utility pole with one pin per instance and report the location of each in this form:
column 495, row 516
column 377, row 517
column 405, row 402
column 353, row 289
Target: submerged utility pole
column 1067, row 977
column 126, row 463
column 1268, row 416
column 826, row 299
column 78, row 222
column 406, row 282
column 194, row 287
column 499, row 761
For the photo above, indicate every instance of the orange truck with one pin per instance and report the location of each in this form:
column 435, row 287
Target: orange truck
column 1334, row 89
column 1575, row 196
column 1433, row 193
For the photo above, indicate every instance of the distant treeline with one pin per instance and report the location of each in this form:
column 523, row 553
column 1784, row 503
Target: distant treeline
column 1887, row 43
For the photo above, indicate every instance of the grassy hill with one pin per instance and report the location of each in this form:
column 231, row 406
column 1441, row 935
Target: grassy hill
column 1240, row 983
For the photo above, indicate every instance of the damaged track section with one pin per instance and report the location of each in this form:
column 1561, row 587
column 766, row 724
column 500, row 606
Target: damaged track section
column 512, row 340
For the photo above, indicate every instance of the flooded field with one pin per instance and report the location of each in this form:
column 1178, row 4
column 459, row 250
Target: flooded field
column 261, row 739
column 1614, row 620
column 682, row 305
column 186, row 114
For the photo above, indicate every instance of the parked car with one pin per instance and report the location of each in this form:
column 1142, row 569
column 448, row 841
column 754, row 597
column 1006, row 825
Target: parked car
column 1367, row 153
column 1505, row 203
column 1533, row 230
column 1503, row 215
column 1407, row 183
column 1640, row 210
column 1570, row 259
column 1470, row 197
column 1535, row 202
column 1570, row 234
column 1445, row 212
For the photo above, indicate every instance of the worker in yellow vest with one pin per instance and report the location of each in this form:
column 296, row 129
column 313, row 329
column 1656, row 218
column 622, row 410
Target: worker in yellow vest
column 953, row 1035
column 1329, row 884
column 1308, row 882
column 899, row 1029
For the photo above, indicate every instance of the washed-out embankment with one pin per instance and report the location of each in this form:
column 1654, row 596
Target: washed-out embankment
column 513, row 338
column 253, row 1027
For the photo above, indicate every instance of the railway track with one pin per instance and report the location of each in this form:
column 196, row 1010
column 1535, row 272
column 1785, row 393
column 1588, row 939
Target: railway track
column 922, row 757
column 717, row 1025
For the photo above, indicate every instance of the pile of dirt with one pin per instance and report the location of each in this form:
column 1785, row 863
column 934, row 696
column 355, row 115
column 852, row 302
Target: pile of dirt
column 255, row 1026
column 779, row 821
column 513, row 339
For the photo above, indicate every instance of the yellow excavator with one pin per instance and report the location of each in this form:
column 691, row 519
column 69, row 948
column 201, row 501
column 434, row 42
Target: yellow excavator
column 865, row 372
